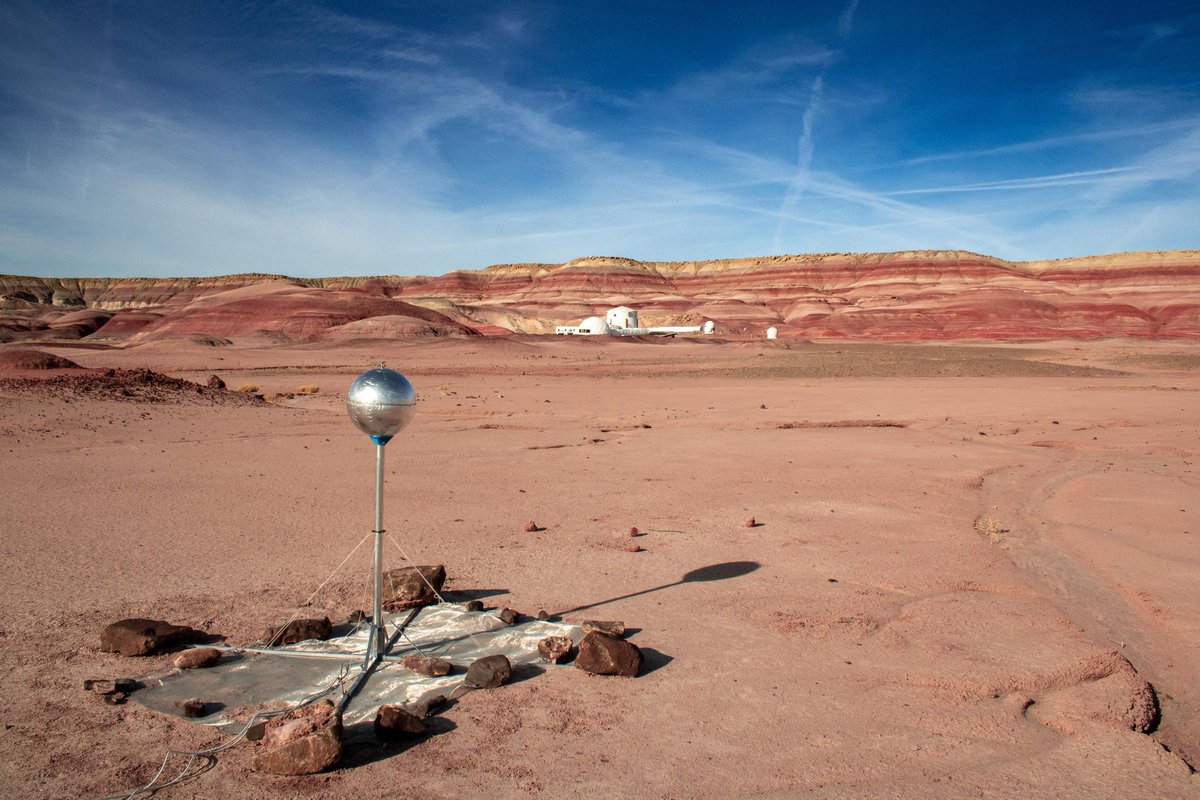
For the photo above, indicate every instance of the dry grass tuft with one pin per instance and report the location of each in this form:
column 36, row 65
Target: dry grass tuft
column 309, row 388
column 991, row 528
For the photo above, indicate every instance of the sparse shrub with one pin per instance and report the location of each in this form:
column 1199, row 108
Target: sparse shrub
column 309, row 388
column 990, row 528
column 249, row 388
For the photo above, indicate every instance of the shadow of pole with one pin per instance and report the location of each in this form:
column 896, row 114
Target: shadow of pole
column 713, row 572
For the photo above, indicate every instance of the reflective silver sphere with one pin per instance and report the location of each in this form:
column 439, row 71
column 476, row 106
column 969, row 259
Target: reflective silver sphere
column 381, row 402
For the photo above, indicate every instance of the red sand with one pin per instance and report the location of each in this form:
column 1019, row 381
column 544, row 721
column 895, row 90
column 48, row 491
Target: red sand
column 964, row 606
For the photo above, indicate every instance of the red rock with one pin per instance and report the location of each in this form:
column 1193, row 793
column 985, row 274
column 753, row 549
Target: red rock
column 473, row 605
column 191, row 708
column 141, row 637
column 634, row 548
column 555, row 648
column 197, row 658
column 430, row 667
column 396, row 722
column 750, row 523
column 530, row 527
column 488, row 672
column 215, row 382
column 301, row 742
column 601, row 654
column 634, row 532
column 110, row 685
column 431, row 704
column 410, row 587
column 508, row 616
column 610, row 627
column 298, row 630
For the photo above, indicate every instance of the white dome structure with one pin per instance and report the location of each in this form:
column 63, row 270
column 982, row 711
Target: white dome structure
column 709, row 326
column 621, row 317
column 593, row 326
column 772, row 332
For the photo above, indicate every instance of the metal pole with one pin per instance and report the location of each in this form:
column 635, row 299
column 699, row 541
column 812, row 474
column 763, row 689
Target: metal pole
column 376, row 645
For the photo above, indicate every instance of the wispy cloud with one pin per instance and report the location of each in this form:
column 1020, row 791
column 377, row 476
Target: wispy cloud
column 846, row 20
column 804, row 157
column 1049, row 143
column 1086, row 177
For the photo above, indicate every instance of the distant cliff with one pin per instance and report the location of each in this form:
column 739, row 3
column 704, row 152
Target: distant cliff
column 910, row 295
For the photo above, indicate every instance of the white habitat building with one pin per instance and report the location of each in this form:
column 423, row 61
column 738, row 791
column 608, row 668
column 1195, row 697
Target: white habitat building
column 623, row 321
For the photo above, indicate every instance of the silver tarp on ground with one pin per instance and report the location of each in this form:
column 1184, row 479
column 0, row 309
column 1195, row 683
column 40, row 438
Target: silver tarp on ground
column 242, row 683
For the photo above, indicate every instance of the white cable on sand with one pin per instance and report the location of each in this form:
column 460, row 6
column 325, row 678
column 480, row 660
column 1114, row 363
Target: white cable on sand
column 208, row 753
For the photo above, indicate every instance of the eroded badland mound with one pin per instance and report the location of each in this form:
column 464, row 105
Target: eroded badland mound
column 915, row 295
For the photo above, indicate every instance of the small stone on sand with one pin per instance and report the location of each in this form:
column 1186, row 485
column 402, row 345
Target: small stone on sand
column 396, row 722
column 303, row 741
column 601, row 654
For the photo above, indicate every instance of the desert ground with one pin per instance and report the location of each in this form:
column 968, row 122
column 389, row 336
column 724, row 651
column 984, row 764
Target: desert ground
column 970, row 562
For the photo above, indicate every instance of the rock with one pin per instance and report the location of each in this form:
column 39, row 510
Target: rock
column 410, row 587
column 543, row 615
column 474, row 605
column 430, row 667
column 197, row 658
column 141, row 637
column 191, row 708
column 530, row 527
column 431, row 704
column 110, row 685
column 300, row 742
column 395, row 722
column 609, row 627
column 488, row 672
column 357, row 617
column 555, row 648
column 634, row 548
column 635, row 532
column 508, row 616
column 215, row 383
column 297, row 631
column 601, row 654
column 750, row 523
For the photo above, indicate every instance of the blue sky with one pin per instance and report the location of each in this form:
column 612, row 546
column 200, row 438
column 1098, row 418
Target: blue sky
column 320, row 138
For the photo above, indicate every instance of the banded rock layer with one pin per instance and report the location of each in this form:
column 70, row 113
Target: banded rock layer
column 912, row 295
